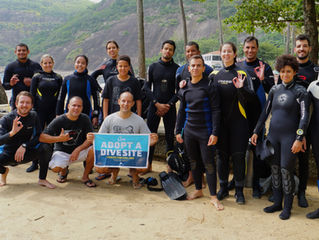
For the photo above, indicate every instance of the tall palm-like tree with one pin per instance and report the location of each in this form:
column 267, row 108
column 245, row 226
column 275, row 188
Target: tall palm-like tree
column 141, row 44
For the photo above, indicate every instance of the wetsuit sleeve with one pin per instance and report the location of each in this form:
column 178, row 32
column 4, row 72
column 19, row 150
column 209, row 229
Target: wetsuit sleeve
column 33, row 88
column 215, row 107
column 268, row 81
column 4, row 130
column 36, row 132
column 245, row 93
column 148, row 84
column 303, row 100
column 97, row 73
column 208, row 70
column 264, row 114
column 181, row 116
column 6, row 78
column 94, row 92
column 61, row 98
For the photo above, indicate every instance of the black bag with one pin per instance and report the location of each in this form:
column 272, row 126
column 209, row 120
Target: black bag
column 264, row 150
column 178, row 161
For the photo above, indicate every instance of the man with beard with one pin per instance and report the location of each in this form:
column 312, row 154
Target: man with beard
column 161, row 79
column 19, row 139
column 261, row 80
column 18, row 74
column 307, row 73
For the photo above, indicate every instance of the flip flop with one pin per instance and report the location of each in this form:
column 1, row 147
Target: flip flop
column 102, row 176
column 89, row 183
column 63, row 179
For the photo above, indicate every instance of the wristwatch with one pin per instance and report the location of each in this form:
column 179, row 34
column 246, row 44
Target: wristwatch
column 24, row 145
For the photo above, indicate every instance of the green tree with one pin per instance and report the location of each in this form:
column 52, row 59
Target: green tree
column 273, row 15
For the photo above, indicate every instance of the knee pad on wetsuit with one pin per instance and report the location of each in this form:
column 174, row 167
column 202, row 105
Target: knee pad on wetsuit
column 287, row 181
column 276, row 178
column 239, row 166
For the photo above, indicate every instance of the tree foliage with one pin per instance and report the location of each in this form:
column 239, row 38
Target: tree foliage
column 269, row 15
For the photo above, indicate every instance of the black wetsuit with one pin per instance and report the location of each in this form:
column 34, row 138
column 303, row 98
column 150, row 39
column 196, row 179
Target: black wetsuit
column 234, row 130
column 81, row 85
column 161, row 79
column 27, row 69
column 308, row 72
column 254, row 109
column 199, row 118
column 313, row 129
column 45, row 88
column 29, row 135
column 288, row 105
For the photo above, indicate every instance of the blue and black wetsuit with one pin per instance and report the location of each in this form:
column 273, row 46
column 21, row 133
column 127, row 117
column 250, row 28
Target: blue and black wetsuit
column 307, row 73
column 254, row 109
column 45, row 88
column 24, row 70
column 28, row 135
column 199, row 118
column 288, row 104
column 81, row 85
column 234, row 130
column 161, row 79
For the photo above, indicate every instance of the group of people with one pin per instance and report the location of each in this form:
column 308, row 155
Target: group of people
column 220, row 113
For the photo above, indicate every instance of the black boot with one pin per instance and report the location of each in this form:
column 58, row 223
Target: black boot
column 302, row 201
column 33, row 167
column 231, row 184
column 223, row 191
column 239, row 195
column 277, row 206
column 285, row 214
column 313, row 215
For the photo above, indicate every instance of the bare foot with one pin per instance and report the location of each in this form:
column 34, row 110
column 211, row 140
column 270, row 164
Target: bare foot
column 188, row 182
column 113, row 180
column 144, row 171
column 46, row 183
column 195, row 194
column 217, row 204
column 3, row 180
column 137, row 185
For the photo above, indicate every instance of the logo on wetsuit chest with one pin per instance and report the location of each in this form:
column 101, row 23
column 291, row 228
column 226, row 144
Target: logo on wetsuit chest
column 282, row 98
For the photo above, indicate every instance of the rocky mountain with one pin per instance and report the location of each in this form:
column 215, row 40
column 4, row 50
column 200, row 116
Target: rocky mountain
column 65, row 33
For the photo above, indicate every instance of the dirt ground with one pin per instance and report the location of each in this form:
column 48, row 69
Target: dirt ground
column 73, row 211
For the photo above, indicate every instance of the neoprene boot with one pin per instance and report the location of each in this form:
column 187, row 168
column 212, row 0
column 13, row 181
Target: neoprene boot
column 302, row 201
column 223, row 191
column 277, row 206
column 33, row 167
column 239, row 195
column 285, row 214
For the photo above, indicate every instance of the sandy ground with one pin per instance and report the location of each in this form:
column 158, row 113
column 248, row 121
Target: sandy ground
column 73, row 211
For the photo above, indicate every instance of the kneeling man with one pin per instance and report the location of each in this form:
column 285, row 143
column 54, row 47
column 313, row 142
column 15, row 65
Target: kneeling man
column 123, row 122
column 19, row 139
column 68, row 133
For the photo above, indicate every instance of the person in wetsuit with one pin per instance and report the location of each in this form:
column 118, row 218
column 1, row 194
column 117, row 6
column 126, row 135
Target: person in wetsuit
column 288, row 104
column 45, row 87
column 82, row 85
column 197, row 127
column 108, row 67
column 233, row 140
column 182, row 73
column 116, row 84
column 313, row 130
column 19, row 139
column 307, row 73
column 18, row 74
column 161, row 79
column 261, row 79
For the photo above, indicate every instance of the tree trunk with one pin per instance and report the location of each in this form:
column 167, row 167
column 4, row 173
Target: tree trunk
column 181, row 5
column 3, row 95
column 141, row 44
column 287, row 38
column 220, row 25
column 310, row 23
column 293, row 37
